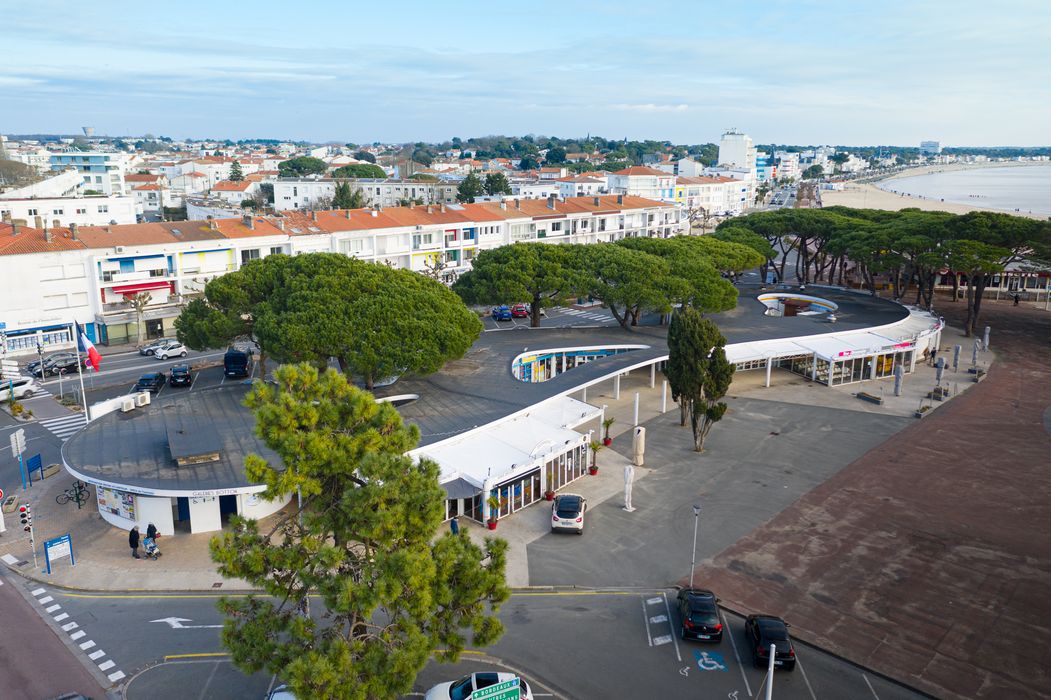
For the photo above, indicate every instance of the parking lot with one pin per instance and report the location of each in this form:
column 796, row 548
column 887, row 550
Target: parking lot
column 557, row 316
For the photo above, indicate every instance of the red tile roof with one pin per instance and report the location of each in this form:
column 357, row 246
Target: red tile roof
column 231, row 186
column 142, row 177
column 31, row 240
column 641, row 170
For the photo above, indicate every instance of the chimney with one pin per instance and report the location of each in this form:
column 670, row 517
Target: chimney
column 38, row 222
column 375, row 213
column 15, row 227
column 248, row 220
column 518, row 204
column 551, row 201
column 348, row 213
column 313, row 215
column 620, row 199
column 5, row 216
column 73, row 231
column 430, row 209
column 281, row 224
column 212, row 225
column 597, row 201
column 503, row 204
column 47, row 235
column 442, row 205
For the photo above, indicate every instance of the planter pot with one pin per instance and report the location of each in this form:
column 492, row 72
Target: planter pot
column 607, row 441
column 549, row 495
column 592, row 471
column 491, row 524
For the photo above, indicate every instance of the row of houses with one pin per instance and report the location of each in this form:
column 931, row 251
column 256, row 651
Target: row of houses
column 50, row 277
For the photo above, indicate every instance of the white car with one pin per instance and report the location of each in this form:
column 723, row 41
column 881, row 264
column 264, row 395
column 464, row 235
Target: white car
column 567, row 512
column 23, row 387
column 174, row 349
column 463, row 688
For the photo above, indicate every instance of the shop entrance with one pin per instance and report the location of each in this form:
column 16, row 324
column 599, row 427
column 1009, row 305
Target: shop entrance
column 154, row 329
column 227, row 507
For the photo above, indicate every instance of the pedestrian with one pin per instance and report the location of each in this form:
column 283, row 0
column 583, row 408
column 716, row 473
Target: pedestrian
column 1018, row 298
column 151, row 531
column 133, row 542
column 454, row 525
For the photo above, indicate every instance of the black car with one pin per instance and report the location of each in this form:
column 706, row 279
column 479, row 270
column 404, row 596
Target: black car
column 699, row 612
column 58, row 363
column 764, row 630
column 151, row 382
column 181, row 376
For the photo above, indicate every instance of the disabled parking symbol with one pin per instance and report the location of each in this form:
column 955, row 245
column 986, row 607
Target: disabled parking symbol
column 710, row 661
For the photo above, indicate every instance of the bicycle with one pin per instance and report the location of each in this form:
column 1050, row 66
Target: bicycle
column 79, row 494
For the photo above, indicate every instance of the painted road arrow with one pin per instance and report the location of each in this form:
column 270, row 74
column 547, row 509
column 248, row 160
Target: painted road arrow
column 177, row 624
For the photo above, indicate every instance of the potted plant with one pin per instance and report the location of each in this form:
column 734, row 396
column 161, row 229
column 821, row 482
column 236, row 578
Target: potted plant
column 549, row 495
column 595, row 447
column 494, row 508
column 606, row 439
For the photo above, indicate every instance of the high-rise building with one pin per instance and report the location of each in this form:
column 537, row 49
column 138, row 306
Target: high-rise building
column 930, row 148
column 737, row 150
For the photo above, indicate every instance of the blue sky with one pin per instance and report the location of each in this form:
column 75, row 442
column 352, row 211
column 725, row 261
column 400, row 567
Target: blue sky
column 840, row 72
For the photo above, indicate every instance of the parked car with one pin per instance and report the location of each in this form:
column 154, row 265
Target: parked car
column 764, row 630
column 567, row 512
column 151, row 382
column 520, row 311
column 54, row 364
column 172, row 349
column 21, row 387
column 699, row 612
column 150, row 347
column 237, row 362
column 463, row 688
column 501, row 313
column 281, row 692
column 180, row 375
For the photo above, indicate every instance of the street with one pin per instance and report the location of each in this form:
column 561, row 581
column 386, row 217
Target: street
column 168, row 644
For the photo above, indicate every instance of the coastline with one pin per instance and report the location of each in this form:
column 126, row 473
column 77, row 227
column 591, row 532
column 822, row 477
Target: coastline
column 868, row 195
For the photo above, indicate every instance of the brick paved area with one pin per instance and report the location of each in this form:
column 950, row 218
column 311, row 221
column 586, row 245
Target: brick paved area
column 929, row 558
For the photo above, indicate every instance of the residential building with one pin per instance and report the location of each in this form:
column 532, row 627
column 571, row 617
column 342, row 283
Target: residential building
column 583, row 185
column 930, row 148
column 736, row 150
column 101, row 172
column 788, row 165
column 640, row 181
column 235, row 192
column 55, row 212
column 717, row 196
column 553, row 173
column 49, row 278
column 314, row 193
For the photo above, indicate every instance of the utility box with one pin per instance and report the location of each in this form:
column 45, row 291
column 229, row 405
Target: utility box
column 638, row 445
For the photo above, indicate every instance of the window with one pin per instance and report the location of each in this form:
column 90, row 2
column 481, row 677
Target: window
column 556, row 226
column 295, row 191
column 82, row 211
column 98, row 179
column 32, row 212
column 251, row 254
column 103, row 208
column 276, row 250
column 421, row 239
column 158, row 273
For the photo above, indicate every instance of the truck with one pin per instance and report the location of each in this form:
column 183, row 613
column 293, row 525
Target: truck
column 237, row 362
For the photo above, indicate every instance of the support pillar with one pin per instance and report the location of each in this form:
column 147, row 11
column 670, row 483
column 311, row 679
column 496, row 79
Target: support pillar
column 664, row 396
column 769, row 368
column 653, row 374
column 585, row 399
column 636, row 419
column 616, row 387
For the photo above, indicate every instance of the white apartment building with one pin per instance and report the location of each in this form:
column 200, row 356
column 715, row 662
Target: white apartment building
column 313, row 193
column 584, row 185
column 55, row 212
column 719, row 196
column 99, row 171
column 235, row 192
column 736, row 150
column 535, row 190
column 641, row 181
column 788, row 165
column 50, row 278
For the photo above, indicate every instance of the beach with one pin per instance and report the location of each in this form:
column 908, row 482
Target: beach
column 865, row 195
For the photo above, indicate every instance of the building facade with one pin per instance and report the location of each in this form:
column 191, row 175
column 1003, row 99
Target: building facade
column 102, row 172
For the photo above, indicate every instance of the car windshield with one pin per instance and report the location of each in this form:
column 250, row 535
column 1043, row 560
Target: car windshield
column 702, row 617
column 568, row 507
column 461, row 689
column 773, row 632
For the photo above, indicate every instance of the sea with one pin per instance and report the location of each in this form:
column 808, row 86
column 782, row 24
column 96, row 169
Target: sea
column 1024, row 188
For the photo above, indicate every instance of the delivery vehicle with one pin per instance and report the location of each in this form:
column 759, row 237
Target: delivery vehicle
column 237, row 363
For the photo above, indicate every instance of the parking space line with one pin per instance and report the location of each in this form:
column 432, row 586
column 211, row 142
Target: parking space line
column 672, row 627
column 805, row 679
column 871, row 689
column 646, row 620
column 729, row 633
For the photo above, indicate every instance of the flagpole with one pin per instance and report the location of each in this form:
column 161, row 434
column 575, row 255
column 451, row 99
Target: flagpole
column 80, row 374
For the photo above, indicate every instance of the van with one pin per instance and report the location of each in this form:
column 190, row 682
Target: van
column 237, row 363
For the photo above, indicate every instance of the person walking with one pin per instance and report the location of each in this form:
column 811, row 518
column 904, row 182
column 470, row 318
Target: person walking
column 151, row 531
column 1018, row 298
column 133, row 542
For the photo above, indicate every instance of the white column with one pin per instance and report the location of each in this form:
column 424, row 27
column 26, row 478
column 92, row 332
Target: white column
column 664, row 396
column 653, row 374
column 769, row 367
column 636, row 421
column 616, row 387
column 585, row 399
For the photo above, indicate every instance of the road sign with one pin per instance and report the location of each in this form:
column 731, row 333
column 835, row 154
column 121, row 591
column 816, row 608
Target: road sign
column 508, row 690
column 1, row 494
column 57, row 548
column 18, row 442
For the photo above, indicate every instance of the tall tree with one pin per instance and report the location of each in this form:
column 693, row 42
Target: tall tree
column 346, row 197
column 698, row 371
column 629, row 282
column 496, row 183
column 139, row 302
column 360, row 170
column 366, row 156
column 543, row 274
column 469, row 188
column 236, row 173
column 363, row 541
column 555, row 156
column 303, row 165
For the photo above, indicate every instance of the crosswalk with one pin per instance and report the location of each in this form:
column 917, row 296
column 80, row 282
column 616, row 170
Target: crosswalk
column 589, row 315
column 64, row 426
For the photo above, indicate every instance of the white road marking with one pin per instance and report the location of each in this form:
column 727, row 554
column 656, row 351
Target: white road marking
column 52, row 608
column 667, row 608
column 646, row 621
column 60, row 618
column 106, row 665
column 871, row 689
column 114, row 677
column 729, row 633
column 658, row 618
column 45, row 599
column 653, row 601
column 96, row 654
column 663, row 639
column 87, row 645
column 39, row 592
column 8, row 559
column 807, row 680
column 69, row 626
column 77, row 635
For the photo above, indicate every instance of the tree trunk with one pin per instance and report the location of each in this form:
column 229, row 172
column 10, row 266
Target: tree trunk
column 623, row 321
column 534, row 311
column 955, row 286
column 698, row 432
column 684, row 407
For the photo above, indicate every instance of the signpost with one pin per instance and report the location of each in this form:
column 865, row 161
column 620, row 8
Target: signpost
column 18, row 446
column 32, row 464
column 508, row 690
column 3, row 528
column 57, row 548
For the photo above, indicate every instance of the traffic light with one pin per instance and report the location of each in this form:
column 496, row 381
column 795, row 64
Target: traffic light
column 26, row 516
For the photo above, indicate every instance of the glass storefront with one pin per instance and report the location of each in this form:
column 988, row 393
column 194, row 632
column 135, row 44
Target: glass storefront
column 525, row 490
column 849, row 370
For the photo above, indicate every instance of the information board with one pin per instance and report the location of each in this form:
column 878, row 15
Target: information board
column 57, row 548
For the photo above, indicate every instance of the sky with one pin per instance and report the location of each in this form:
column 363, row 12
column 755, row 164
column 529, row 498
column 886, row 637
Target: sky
column 841, row 72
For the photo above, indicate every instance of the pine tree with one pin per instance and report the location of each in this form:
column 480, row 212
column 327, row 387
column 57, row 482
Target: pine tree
column 236, row 174
column 698, row 372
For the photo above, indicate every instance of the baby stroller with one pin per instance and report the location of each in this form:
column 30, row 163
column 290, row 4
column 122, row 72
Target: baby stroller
column 149, row 546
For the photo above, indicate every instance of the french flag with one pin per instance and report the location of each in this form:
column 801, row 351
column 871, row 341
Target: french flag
column 85, row 345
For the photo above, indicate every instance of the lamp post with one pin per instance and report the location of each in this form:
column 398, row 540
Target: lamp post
column 693, row 558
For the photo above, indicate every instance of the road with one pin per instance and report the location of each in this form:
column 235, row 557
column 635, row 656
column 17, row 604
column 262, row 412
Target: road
column 558, row 316
column 622, row 639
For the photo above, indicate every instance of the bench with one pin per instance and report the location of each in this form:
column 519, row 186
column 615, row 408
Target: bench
column 871, row 398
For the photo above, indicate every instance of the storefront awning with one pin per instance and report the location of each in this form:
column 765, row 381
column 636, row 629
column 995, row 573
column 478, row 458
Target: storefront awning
column 460, row 488
column 140, row 287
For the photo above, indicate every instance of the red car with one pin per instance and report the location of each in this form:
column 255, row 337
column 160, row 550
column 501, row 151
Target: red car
column 520, row 311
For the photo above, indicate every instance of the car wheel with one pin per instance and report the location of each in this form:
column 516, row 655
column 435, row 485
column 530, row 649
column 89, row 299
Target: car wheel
column 27, row 394
column 580, row 531
column 182, row 354
column 149, row 352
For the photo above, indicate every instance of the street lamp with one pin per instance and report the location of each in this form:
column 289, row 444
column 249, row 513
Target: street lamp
column 693, row 559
